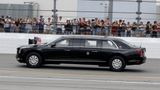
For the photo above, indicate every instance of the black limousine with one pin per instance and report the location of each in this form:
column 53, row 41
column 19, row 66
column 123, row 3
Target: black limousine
column 91, row 50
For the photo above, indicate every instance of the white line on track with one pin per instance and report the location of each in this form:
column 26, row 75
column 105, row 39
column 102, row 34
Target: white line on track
column 81, row 80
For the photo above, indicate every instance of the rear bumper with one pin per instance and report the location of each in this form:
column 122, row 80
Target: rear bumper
column 137, row 61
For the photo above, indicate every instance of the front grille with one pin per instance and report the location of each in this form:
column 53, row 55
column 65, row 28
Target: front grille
column 18, row 50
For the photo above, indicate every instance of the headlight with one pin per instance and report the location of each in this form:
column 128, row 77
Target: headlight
column 20, row 50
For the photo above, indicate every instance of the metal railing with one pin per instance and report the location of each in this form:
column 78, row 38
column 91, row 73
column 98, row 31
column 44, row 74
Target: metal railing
column 76, row 30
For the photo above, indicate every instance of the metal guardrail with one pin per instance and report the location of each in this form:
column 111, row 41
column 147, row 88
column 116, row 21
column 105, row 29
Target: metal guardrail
column 76, row 30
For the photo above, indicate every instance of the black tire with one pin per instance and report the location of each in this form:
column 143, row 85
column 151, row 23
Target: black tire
column 33, row 60
column 117, row 64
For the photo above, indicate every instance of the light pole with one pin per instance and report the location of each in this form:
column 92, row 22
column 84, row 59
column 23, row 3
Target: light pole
column 54, row 15
column 105, row 9
column 139, row 11
column 110, row 10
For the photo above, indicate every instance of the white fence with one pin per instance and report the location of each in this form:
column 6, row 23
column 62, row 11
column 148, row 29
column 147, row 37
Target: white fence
column 10, row 41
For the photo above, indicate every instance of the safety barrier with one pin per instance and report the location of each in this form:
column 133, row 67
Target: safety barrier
column 10, row 41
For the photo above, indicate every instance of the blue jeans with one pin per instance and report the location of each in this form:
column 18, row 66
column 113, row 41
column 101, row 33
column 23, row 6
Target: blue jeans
column 133, row 33
column 119, row 32
column 7, row 29
column 128, row 34
column 98, row 31
column 141, row 32
column 107, row 31
column 123, row 33
column 93, row 31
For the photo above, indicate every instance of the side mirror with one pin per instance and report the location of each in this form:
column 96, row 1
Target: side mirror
column 53, row 45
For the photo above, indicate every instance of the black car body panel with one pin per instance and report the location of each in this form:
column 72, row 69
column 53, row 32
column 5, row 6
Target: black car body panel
column 84, row 50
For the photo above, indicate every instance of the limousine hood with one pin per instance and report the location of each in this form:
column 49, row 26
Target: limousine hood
column 32, row 46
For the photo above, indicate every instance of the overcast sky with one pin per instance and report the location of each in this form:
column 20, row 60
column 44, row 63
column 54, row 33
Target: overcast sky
column 73, row 5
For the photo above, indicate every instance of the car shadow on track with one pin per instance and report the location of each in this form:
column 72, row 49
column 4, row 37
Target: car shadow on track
column 134, row 70
column 83, row 68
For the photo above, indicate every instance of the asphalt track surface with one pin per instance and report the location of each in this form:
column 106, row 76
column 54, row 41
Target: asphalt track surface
column 16, row 76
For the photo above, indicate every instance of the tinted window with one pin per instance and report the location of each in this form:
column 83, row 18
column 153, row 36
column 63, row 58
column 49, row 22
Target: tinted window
column 122, row 45
column 62, row 43
column 77, row 42
column 108, row 44
column 91, row 43
column 129, row 44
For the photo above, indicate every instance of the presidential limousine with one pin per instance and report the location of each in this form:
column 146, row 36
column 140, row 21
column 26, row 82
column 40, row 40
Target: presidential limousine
column 90, row 50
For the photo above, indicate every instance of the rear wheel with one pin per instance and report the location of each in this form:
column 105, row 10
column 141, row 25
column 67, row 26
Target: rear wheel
column 33, row 60
column 117, row 63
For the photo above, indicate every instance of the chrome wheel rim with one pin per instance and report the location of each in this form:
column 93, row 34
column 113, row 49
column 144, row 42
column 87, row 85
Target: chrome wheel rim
column 33, row 60
column 117, row 63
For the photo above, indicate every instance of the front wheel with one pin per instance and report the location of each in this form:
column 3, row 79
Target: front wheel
column 117, row 64
column 33, row 60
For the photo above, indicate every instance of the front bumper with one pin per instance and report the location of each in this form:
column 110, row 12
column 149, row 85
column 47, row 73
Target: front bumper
column 20, row 58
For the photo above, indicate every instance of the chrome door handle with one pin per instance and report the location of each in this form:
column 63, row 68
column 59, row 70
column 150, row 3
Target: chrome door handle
column 94, row 51
column 67, row 50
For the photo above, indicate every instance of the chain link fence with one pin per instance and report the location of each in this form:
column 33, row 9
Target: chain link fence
column 25, row 18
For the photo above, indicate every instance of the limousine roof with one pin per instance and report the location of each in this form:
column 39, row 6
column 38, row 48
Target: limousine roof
column 90, row 37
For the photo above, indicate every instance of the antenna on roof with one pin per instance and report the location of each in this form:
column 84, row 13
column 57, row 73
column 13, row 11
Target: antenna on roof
column 141, row 44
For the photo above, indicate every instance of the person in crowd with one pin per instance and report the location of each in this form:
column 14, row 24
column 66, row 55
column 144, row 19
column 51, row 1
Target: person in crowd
column 28, row 26
column 158, row 30
column 154, row 29
column 75, row 26
column 22, row 26
column 88, row 27
column 41, row 24
column 114, row 28
column 13, row 26
column 107, row 23
column 41, row 19
column 120, row 28
column 128, row 29
column 134, row 29
column 148, row 29
column 93, row 27
column 7, row 25
column 1, row 25
column 141, row 29
column 17, row 23
column 60, row 25
column 102, row 26
column 35, row 25
column 68, row 27
column 98, row 27
column 47, row 27
column 124, row 27
column 82, row 26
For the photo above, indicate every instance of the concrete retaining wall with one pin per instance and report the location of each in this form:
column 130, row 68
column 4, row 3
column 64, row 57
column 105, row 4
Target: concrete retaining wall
column 10, row 41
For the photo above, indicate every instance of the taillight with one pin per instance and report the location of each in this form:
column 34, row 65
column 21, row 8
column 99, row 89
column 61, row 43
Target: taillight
column 140, row 52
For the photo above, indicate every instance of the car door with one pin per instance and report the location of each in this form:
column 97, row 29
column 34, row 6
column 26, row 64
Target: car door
column 108, row 47
column 84, row 50
column 76, row 49
column 92, row 50
column 99, row 50
column 59, row 50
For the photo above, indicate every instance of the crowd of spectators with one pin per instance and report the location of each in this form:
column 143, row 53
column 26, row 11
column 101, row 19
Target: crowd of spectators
column 22, row 25
column 82, row 26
